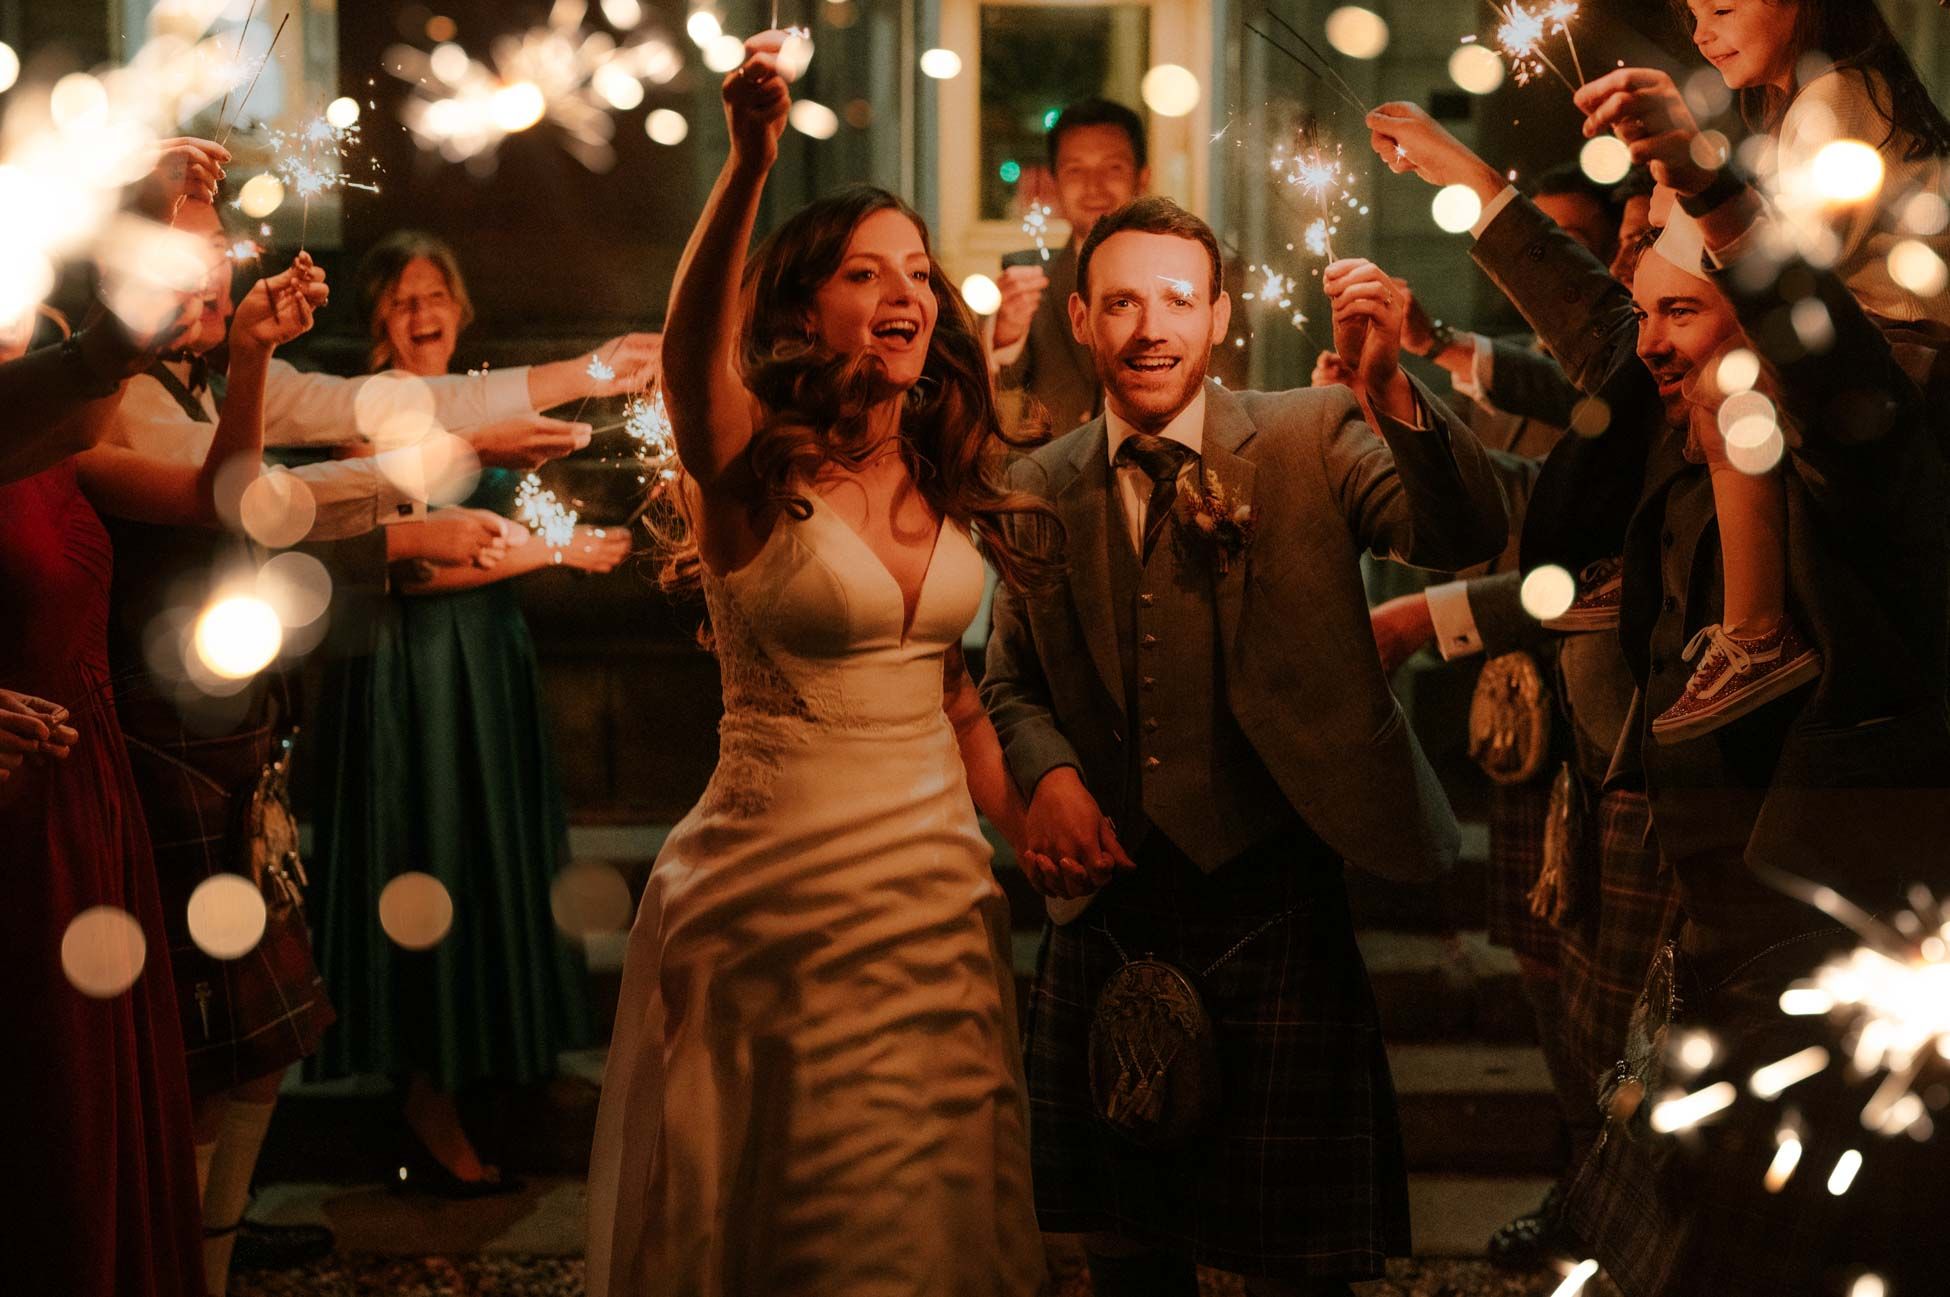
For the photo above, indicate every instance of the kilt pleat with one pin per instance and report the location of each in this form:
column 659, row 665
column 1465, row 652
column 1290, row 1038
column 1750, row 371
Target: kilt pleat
column 1299, row 1173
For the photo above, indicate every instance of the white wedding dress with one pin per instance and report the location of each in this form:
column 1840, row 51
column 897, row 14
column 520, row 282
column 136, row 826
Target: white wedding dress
column 814, row 1083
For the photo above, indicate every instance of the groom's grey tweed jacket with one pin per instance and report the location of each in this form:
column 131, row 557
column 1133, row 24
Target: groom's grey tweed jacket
column 1296, row 662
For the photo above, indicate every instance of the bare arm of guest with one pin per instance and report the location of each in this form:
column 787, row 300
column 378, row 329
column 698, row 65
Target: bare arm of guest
column 130, row 484
column 591, row 549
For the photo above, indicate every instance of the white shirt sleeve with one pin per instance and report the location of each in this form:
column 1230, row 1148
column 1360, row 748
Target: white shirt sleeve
column 308, row 409
column 352, row 496
column 1492, row 210
column 1455, row 625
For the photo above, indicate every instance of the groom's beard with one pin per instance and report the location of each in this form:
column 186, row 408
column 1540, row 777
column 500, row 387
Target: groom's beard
column 1147, row 395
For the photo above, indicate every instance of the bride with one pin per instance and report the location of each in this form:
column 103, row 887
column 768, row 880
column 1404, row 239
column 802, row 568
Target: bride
column 813, row 1084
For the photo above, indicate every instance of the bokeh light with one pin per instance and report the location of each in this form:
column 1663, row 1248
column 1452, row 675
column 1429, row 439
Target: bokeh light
column 1847, row 171
column 982, row 294
column 1926, row 214
column 942, row 65
column 415, row 911
column 666, row 126
column 811, row 118
column 515, row 108
column 1476, row 68
column 277, row 509
column 226, row 916
column 1169, row 90
column 723, row 53
column 102, row 951
column 1843, row 1176
column 78, row 100
column 449, row 62
column 236, row 636
column 703, row 28
column 9, row 67
column 260, row 196
column 1606, row 159
column 1547, row 591
column 393, row 409
column 297, row 587
column 1456, row 208
column 623, row 14
column 1356, row 32
column 342, row 113
column 1738, row 372
column 617, row 86
column 795, row 53
column 1916, row 266
column 589, row 899
column 1590, row 416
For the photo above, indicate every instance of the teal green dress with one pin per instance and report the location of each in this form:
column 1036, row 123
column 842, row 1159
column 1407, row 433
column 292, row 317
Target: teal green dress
column 432, row 754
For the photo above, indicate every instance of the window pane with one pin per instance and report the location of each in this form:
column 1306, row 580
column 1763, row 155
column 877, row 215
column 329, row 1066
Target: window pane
column 1035, row 59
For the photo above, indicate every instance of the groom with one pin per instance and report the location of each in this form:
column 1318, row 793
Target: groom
column 1203, row 689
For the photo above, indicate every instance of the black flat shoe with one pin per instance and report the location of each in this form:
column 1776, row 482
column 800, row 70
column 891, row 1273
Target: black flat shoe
column 280, row 1247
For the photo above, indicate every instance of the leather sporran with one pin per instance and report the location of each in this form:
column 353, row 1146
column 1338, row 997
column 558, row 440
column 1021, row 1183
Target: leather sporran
column 1510, row 719
column 1154, row 1066
column 270, row 842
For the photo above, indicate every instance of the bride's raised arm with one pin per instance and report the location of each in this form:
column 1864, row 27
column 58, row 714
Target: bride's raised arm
column 711, row 412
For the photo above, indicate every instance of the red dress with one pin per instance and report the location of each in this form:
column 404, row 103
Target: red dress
column 99, row 1158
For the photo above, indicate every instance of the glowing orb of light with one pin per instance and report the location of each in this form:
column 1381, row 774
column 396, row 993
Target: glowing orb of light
column 416, row 911
column 942, row 65
column 666, row 126
column 297, row 586
column 723, row 53
column 1926, row 214
column 449, row 62
column 704, row 28
column 1917, row 267
column 589, row 899
column 1574, row 1282
column 1738, row 372
column 1843, row 1175
column 393, row 409
column 1169, row 90
column 1547, row 591
column 981, row 294
column 78, row 100
column 795, row 53
column 226, row 916
column 1690, row 1110
column 277, row 509
column 1356, row 32
column 9, row 67
column 237, row 636
column 102, row 951
column 515, row 108
column 813, row 119
column 1605, row 159
column 1711, row 149
column 1787, row 1156
column 1847, row 171
column 1590, row 416
column 1476, row 68
column 1456, row 208
column 260, row 196
column 619, row 89
column 623, row 14
column 342, row 113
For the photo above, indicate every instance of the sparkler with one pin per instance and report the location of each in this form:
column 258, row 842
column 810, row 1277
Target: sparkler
column 1035, row 223
column 245, row 99
column 1521, row 35
column 539, row 509
column 312, row 160
column 599, row 370
column 1322, row 71
column 1559, row 14
column 223, row 109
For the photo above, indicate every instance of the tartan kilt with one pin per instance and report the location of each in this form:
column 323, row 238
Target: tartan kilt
column 1299, row 1171
column 1517, row 816
column 1688, row 1215
column 258, row 1014
column 1627, row 909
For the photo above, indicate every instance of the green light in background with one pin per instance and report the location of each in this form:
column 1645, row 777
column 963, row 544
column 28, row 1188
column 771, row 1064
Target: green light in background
column 1050, row 116
column 1010, row 171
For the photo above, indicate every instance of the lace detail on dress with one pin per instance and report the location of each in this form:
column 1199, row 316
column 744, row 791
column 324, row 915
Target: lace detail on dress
column 755, row 689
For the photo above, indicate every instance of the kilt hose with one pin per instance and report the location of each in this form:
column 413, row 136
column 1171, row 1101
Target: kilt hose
column 257, row 1014
column 1299, row 1173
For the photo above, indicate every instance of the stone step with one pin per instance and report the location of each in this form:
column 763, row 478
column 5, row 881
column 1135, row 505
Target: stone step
column 1477, row 1109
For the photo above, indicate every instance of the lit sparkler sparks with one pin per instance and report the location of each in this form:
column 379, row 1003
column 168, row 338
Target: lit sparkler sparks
column 1035, row 223
column 1521, row 35
column 1319, row 238
column 560, row 72
column 599, row 370
column 647, row 421
column 1558, row 14
column 539, row 509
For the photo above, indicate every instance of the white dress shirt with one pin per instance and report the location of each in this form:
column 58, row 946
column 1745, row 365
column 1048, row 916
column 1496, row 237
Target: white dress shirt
column 1133, row 483
column 303, row 409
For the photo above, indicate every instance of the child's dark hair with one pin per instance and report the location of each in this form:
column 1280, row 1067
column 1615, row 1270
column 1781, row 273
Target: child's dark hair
column 1858, row 38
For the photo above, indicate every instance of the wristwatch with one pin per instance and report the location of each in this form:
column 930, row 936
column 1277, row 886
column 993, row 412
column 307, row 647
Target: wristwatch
column 1441, row 338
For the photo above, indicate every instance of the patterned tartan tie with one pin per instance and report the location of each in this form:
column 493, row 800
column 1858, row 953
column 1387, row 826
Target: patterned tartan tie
column 1161, row 459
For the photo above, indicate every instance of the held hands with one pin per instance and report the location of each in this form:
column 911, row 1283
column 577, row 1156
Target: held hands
column 1408, row 139
column 526, row 441
column 455, row 538
column 756, row 101
column 1643, row 107
column 1072, row 850
column 1368, row 313
column 1022, row 292
column 279, row 308
column 636, row 361
column 595, row 549
column 1331, row 371
column 32, row 727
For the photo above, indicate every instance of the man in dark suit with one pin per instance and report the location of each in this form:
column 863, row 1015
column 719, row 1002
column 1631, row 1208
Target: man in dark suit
column 1203, row 688
column 1845, row 782
column 1097, row 155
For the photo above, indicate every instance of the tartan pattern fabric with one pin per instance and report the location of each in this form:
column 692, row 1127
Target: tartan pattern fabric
column 1609, row 942
column 247, row 1017
column 1517, row 816
column 1300, row 1174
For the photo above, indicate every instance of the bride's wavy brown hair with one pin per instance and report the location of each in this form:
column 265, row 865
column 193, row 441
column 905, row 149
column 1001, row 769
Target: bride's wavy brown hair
column 816, row 401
